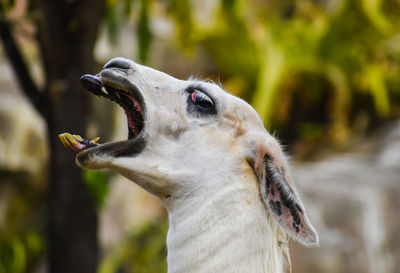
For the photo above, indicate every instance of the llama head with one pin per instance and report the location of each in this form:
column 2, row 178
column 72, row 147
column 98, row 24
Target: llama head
column 182, row 135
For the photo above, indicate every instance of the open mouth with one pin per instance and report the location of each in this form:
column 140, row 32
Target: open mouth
column 131, row 102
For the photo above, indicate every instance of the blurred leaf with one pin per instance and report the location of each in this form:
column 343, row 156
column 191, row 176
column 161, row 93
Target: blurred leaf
column 19, row 257
column 6, row 5
column 142, row 251
column 372, row 9
column 181, row 12
column 269, row 77
column 128, row 7
column 20, row 252
column 97, row 183
column 113, row 22
column 309, row 131
column 144, row 33
column 229, row 5
column 34, row 243
column 375, row 80
column 231, row 45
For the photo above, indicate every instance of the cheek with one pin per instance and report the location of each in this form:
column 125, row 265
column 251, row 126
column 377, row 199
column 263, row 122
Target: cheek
column 168, row 123
column 223, row 137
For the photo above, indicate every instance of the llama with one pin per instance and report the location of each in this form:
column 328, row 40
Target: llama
column 206, row 155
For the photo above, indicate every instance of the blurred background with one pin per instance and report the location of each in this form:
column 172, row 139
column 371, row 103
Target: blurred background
column 323, row 74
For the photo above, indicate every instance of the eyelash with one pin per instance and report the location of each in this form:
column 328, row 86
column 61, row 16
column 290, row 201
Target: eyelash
column 199, row 102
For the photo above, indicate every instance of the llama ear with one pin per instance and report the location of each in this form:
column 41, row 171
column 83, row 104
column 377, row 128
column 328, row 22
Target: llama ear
column 280, row 198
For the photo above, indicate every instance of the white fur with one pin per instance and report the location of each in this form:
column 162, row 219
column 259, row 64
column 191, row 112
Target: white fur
column 206, row 171
column 222, row 228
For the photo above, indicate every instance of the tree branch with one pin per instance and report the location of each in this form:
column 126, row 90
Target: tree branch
column 20, row 69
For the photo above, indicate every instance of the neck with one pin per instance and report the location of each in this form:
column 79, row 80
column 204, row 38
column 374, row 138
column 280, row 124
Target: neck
column 226, row 231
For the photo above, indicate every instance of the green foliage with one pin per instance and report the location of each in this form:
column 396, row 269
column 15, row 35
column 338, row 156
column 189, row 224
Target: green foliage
column 182, row 13
column 6, row 5
column 118, row 12
column 144, row 34
column 234, row 56
column 19, row 252
column 22, row 223
column 142, row 251
column 128, row 7
column 97, row 183
column 310, row 68
column 351, row 46
column 113, row 23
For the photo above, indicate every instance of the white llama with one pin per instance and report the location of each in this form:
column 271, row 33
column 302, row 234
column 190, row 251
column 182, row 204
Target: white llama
column 206, row 154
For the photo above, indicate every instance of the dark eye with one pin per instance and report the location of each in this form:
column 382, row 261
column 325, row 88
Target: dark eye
column 199, row 103
column 201, row 100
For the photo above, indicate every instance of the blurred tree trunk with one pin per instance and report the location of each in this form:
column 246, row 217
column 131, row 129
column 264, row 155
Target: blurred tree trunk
column 67, row 34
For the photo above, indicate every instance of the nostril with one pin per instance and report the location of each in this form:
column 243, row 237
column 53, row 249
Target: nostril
column 119, row 63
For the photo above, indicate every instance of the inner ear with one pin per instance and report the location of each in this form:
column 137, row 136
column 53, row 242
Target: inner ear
column 280, row 197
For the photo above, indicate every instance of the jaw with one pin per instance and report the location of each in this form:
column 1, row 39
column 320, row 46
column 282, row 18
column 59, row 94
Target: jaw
column 103, row 155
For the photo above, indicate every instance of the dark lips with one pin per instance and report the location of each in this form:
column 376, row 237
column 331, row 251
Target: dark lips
column 133, row 110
